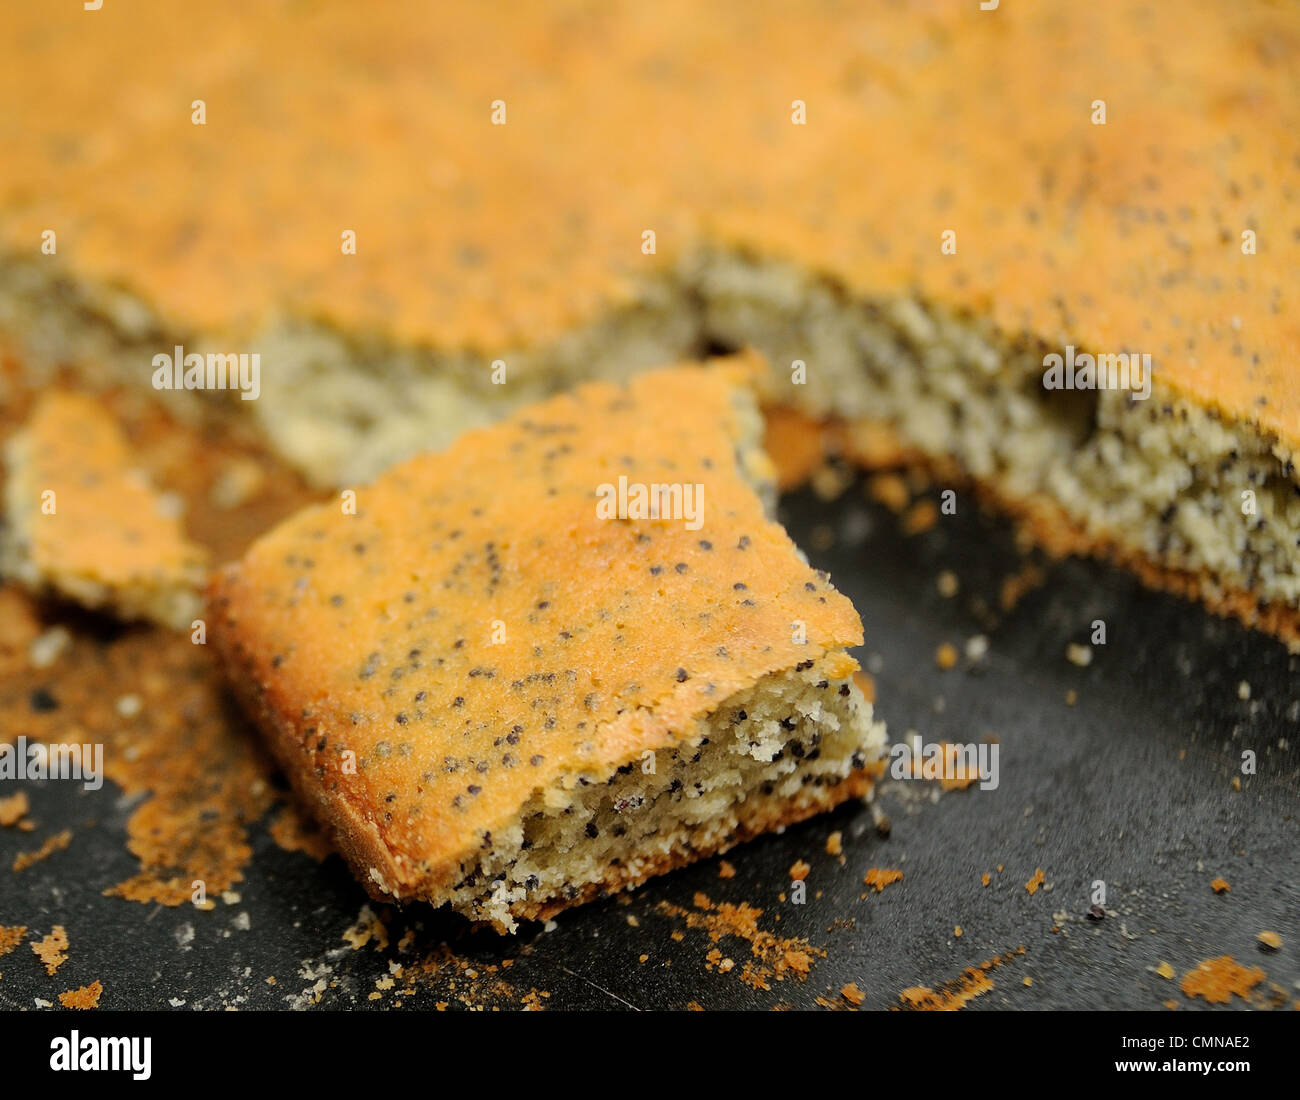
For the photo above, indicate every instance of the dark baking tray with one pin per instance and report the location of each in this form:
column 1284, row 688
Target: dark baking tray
column 1132, row 785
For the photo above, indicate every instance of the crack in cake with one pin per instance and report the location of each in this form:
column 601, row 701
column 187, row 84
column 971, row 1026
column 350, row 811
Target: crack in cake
column 501, row 695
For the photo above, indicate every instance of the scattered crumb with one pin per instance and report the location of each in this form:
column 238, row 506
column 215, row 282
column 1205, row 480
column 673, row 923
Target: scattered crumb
column 957, row 931
column 1018, row 584
column 642, row 958
column 1165, row 970
column 632, row 921
column 85, row 997
column 1077, row 654
column 1243, row 691
column 985, row 879
column 1218, row 980
column 13, row 808
column 11, row 937
column 946, row 656
column 829, row 481
column 880, row 877
column 1269, row 941
column 1236, row 782
column 1071, row 697
column 53, row 949
column 726, row 870
column 1220, row 886
column 835, row 844
column 852, row 994
column 367, row 927
column 1027, row 981
column 56, row 843
column 947, row 584
column 977, row 648
column 889, row 490
column 1171, row 1005
column 921, row 517
column 772, row 958
column 532, row 1000
column 953, row 995
column 1034, row 883
column 799, row 870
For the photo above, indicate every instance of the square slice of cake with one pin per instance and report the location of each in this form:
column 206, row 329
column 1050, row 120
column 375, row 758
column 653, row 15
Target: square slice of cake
column 84, row 523
column 568, row 653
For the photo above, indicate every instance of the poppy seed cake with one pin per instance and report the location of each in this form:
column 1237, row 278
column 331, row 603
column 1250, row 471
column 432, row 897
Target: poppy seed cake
column 502, row 696
column 919, row 202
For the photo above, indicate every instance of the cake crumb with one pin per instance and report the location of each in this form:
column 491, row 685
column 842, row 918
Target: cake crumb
column 53, row 949
column 1220, row 886
column 726, row 870
column 84, row 998
column 1035, row 882
column 956, row 994
column 13, row 808
column 56, row 843
column 985, row 879
column 799, row 870
column 772, row 958
column 1269, row 941
column 1071, row 697
column 11, row 937
column 947, row 584
column 1219, row 979
column 946, row 656
column 921, row 517
column 1165, row 970
column 1080, row 655
column 889, row 490
column 835, row 844
column 880, row 877
column 852, row 994
column 366, row 928
column 957, row 931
